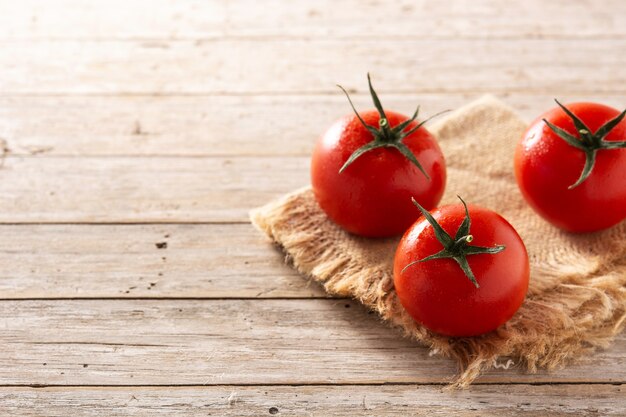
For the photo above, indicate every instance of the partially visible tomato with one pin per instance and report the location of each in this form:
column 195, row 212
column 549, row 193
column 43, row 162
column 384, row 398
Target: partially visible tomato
column 461, row 282
column 368, row 165
column 571, row 168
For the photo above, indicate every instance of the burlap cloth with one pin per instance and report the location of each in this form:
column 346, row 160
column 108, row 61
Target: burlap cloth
column 577, row 296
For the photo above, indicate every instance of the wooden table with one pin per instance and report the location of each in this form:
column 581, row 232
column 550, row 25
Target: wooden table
column 136, row 135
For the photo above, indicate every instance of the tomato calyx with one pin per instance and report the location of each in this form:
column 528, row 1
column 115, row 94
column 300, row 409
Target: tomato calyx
column 384, row 136
column 588, row 142
column 457, row 248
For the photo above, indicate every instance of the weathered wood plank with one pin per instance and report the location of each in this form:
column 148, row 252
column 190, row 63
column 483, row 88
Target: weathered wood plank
column 208, row 261
column 171, row 342
column 65, row 189
column 118, row 19
column 208, row 126
column 312, row 66
column 388, row 400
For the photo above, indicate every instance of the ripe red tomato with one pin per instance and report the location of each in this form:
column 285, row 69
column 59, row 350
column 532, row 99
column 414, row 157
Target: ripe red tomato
column 371, row 196
column 438, row 291
column 573, row 173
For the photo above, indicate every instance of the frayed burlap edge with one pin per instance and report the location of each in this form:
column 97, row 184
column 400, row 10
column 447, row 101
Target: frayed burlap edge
column 566, row 315
column 543, row 334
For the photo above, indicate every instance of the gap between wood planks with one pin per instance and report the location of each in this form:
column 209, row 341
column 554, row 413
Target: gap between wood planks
column 177, row 298
column 129, row 223
column 315, row 384
column 338, row 38
column 354, row 92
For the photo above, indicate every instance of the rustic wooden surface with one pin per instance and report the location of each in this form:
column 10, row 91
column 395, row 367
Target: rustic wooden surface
column 136, row 135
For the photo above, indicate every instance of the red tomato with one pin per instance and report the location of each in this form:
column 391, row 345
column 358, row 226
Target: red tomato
column 372, row 195
column 547, row 168
column 439, row 294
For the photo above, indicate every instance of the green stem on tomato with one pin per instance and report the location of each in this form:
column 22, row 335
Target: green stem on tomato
column 458, row 248
column 588, row 142
column 385, row 136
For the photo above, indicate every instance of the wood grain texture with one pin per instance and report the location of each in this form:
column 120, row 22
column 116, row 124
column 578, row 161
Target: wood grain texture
column 123, row 190
column 246, row 67
column 198, row 261
column 323, row 401
column 35, row 19
column 208, row 125
column 199, row 342
column 168, row 111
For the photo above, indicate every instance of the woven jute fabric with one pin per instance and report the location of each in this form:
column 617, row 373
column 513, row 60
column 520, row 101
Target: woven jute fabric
column 576, row 300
